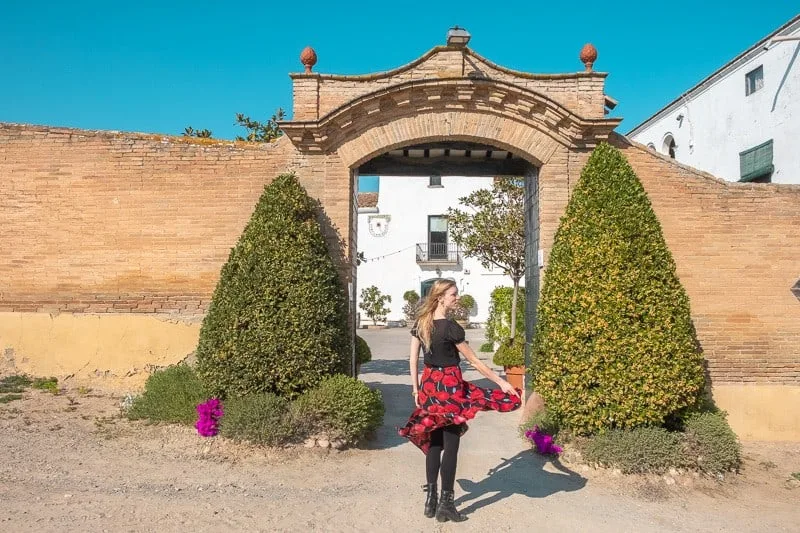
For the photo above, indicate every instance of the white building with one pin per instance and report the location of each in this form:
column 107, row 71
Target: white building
column 742, row 122
column 406, row 246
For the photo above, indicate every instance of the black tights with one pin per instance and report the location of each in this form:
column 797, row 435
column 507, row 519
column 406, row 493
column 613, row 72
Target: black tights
column 443, row 454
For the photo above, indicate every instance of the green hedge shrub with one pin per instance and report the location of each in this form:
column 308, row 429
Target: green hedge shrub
column 170, row 395
column 644, row 449
column 487, row 347
column 711, row 443
column 258, row 418
column 340, row 407
column 363, row 353
column 498, row 325
column 614, row 345
column 278, row 317
column 511, row 354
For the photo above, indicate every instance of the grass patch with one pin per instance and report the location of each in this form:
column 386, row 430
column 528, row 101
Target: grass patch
column 170, row 395
column 6, row 398
column 46, row 384
column 14, row 384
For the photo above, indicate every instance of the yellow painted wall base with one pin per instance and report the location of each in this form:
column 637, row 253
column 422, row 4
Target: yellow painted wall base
column 761, row 411
column 115, row 352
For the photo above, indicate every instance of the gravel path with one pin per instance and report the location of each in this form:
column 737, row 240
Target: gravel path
column 72, row 464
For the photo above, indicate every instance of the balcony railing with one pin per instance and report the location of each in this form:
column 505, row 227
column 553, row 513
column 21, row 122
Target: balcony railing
column 435, row 252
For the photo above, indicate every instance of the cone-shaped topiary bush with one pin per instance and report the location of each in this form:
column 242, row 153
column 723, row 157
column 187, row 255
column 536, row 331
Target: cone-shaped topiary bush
column 614, row 344
column 278, row 318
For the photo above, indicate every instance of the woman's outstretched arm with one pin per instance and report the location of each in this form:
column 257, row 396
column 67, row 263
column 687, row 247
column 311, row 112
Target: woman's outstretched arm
column 466, row 350
column 413, row 359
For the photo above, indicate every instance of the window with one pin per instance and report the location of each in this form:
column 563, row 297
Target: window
column 435, row 181
column 437, row 237
column 669, row 147
column 754, row 80
column 755, row 164
column 651, row 146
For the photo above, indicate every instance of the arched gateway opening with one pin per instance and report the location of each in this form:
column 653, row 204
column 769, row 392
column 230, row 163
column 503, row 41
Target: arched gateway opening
column 465, row 160
column 467, row 117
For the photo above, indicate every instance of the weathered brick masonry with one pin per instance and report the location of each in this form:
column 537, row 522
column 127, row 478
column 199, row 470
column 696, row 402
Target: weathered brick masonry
column 107, row 222
column 118, row 224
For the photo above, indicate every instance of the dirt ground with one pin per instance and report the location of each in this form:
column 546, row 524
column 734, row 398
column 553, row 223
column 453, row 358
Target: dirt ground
column 72, row 463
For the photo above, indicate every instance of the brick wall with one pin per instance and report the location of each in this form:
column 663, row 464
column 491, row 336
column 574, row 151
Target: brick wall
column 737, row 250
column 112, row 222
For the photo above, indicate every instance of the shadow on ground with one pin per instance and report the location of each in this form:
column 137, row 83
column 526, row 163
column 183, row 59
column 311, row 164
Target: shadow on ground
column 390, row 367
column 399, row 404
column 523, row 474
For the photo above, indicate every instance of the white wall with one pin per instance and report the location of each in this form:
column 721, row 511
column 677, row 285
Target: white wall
column 409, row 201
column 721, row 121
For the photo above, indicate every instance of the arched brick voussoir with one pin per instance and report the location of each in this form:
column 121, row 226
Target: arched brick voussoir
column 533, row 145
column 489, row 111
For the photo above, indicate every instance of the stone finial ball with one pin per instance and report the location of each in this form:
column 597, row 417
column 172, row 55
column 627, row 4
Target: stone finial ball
column 588, row 56
column 308, row 57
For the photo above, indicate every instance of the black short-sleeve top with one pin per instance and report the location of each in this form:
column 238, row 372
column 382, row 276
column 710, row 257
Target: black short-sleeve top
column 445, row 336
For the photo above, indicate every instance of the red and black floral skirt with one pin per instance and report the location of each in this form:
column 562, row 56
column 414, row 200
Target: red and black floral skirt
column 446, row 399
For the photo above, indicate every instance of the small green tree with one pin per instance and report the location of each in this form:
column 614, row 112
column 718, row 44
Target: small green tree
column 411, row 298
column 493, row 231
column 278, row 317
column 262, row 132
column 374, row 304
column 614, row 344
column 189, row 131
column 498, row 325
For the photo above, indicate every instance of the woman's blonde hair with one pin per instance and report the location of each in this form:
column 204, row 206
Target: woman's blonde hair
column 425, row 311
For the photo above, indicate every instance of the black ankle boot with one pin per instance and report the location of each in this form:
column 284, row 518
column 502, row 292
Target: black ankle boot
column 447, row 509
column 430, row 500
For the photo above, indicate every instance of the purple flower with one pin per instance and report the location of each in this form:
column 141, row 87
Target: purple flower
column 544, row 443
column 208, row 415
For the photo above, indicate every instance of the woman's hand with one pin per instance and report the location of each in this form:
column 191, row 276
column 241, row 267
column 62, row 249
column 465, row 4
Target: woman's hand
column 506, row 387
column 415, row 394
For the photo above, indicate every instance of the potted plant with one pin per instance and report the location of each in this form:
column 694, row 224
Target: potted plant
column 363, row 353
column 374, row 304
column 511, row 356
column 461, row 312
column 410, row 308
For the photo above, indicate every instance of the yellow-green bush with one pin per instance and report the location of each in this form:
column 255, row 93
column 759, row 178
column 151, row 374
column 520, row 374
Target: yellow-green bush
column 511, row 353
column 278, row 317
column 498, row 325
column 614, row 345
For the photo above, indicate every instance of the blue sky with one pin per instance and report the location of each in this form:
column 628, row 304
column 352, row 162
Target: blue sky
column 157, row 67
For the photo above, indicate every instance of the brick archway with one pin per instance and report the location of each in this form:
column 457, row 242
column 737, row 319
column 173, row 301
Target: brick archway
column 493, row 112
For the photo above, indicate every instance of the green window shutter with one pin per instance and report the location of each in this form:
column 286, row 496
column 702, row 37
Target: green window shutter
column 756, row 162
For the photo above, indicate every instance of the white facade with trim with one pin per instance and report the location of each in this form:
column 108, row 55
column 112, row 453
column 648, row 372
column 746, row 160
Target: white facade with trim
column 390, row 234
column 742, row 122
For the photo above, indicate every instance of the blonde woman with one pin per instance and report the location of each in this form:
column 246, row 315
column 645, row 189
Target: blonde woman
column 444, row 401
